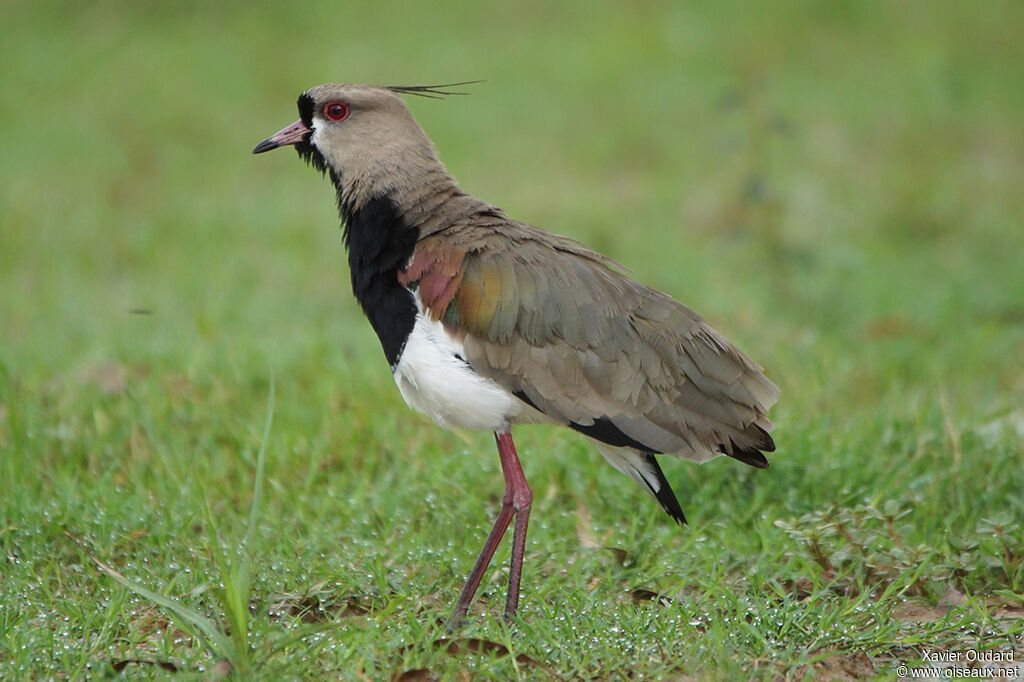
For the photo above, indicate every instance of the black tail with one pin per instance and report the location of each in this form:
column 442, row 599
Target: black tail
column 752, row 455
column 666, row 498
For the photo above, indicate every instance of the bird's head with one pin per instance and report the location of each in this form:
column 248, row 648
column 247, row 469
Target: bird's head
column 363, row 136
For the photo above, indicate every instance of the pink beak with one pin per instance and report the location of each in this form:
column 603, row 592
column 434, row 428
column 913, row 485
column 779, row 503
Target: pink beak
column 293, row 134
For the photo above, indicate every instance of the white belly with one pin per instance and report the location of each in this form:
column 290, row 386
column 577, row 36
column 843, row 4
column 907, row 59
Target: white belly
column 434, row 379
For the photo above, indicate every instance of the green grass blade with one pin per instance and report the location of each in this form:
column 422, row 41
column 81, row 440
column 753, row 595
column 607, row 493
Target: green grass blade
column 261, row 460
column 219, row 645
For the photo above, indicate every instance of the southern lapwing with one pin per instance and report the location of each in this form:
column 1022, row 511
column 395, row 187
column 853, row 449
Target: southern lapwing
column 488, row 322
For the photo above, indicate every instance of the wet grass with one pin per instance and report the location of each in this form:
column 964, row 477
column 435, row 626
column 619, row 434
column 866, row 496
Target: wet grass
column 835, row 185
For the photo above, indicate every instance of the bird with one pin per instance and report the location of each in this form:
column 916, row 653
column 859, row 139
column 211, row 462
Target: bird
column 488, row 322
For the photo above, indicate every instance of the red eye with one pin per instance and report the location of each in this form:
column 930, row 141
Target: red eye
column 336, row 111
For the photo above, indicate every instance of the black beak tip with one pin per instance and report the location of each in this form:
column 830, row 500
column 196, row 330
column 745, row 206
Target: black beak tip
column 265, row 146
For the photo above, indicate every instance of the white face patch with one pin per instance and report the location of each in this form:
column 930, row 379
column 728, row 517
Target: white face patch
column 435, row 379
column 318, row 126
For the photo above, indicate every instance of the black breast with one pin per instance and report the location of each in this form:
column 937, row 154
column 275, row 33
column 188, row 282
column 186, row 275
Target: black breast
column 380, row 243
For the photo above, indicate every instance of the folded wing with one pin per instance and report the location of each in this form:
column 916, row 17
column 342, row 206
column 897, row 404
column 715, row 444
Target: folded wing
column 557, row 325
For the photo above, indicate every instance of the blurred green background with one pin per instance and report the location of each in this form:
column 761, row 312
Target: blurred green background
column 837, row 186
column 871, row 153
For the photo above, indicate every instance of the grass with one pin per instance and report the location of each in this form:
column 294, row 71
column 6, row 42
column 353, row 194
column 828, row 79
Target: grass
column 835, row 185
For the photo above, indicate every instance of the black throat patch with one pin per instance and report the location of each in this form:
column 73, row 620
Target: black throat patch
column 304, row 148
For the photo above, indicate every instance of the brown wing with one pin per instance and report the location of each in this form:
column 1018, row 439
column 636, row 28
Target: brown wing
column 589, row 347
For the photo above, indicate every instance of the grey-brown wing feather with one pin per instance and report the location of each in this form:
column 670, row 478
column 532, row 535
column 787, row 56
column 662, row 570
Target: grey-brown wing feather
column 583, row 343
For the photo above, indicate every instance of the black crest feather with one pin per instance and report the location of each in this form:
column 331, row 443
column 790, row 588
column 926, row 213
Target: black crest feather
column 431, row 91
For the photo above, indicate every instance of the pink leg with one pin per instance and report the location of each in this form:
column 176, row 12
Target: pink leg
column 515, row 502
